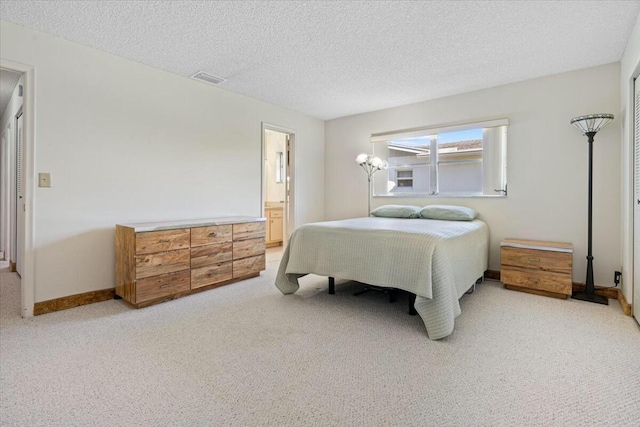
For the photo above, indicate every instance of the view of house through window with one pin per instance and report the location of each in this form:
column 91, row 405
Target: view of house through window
column 462, row 160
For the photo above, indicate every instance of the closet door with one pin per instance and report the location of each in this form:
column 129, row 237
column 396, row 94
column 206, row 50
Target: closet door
column 636, row 205
column 20, row 193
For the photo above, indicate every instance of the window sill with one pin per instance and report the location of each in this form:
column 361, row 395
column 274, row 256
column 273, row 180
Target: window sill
column 441, row 196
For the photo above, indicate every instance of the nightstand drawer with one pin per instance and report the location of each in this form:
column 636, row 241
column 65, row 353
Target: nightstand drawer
column 536, row 259
column 549, row 281
column 542, row 268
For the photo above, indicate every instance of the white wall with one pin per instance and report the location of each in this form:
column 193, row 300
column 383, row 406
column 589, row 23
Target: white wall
column 629, row 68
column 129, row 143
column 547, row 162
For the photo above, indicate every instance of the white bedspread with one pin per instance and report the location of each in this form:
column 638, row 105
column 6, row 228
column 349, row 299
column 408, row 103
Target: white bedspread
column 436, row 260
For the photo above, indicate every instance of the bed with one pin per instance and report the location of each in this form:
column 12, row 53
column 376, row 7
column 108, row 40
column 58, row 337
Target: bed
column 437, row 261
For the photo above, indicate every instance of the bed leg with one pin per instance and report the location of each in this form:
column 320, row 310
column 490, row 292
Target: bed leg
column 332, row 285
column 412, row 302
column 473, row 288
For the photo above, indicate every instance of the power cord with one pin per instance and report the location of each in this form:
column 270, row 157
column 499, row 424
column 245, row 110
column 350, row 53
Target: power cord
column 616, row 281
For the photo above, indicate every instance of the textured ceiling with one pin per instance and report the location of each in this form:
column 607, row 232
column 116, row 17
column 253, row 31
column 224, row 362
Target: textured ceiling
column 8, row 81
column 332, row 59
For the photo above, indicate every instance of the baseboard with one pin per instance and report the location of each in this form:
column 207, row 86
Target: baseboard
column 72, row 301
column 600, row 290
column 626, row 307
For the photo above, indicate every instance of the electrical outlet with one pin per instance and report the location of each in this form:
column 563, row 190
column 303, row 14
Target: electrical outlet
column 616, row 277
column 44, row 179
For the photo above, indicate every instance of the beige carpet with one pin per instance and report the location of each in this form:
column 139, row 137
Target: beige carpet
column 246, row 355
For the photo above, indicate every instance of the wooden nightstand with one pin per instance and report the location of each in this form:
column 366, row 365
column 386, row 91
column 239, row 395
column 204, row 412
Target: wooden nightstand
column 542, row 268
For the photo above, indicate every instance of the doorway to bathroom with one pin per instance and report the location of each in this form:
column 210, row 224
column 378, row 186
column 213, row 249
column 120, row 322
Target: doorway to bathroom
column 278, row 183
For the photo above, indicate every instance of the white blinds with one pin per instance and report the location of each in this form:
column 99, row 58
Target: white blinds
column 426, row 131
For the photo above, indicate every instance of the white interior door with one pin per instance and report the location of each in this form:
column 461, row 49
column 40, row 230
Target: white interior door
column 19, row 192
column 636, row 206
column 289, row 197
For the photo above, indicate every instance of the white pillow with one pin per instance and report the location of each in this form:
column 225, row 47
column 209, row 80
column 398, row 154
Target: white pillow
column 397, row 211
column 448, row 212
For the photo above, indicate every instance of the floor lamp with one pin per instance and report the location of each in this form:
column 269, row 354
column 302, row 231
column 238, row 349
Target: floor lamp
column 370, row 165
column 590, row 125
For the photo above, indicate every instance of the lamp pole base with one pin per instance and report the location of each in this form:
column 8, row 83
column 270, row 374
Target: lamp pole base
column 583, row 296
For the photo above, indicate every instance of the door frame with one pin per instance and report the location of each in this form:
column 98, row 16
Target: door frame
column 29, row 129
column 289, row 208
column 635, row 193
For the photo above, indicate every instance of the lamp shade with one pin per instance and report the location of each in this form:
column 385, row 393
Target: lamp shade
column 362, row 158
column 591, row 122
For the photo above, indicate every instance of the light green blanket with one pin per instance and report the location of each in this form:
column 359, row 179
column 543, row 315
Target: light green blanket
column 436, row 260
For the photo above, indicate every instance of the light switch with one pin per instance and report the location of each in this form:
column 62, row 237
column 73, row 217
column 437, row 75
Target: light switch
column 44, row 180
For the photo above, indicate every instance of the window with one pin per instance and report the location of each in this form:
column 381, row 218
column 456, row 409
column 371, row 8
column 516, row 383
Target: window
column 452, row 161
column 279, row 166
column 404, row 178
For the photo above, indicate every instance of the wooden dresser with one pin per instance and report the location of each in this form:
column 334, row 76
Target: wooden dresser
column 543, row 268
column 160, row 261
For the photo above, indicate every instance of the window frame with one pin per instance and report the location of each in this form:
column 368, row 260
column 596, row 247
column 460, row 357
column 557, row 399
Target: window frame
column 435, row 162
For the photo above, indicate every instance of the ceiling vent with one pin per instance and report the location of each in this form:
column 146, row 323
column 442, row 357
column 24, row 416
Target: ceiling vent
column 207, row 78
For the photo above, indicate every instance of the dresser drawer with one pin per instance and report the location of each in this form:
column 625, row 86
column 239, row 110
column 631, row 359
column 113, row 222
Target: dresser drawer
column 248, row 248
column 211, row 274
column 558, row 283
column 162, row 263
column 203, row 256
column 210, row 235
column 160, row 286
column 160, row 241
column 559, row 262
column 246, row 266
column 248, row 230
